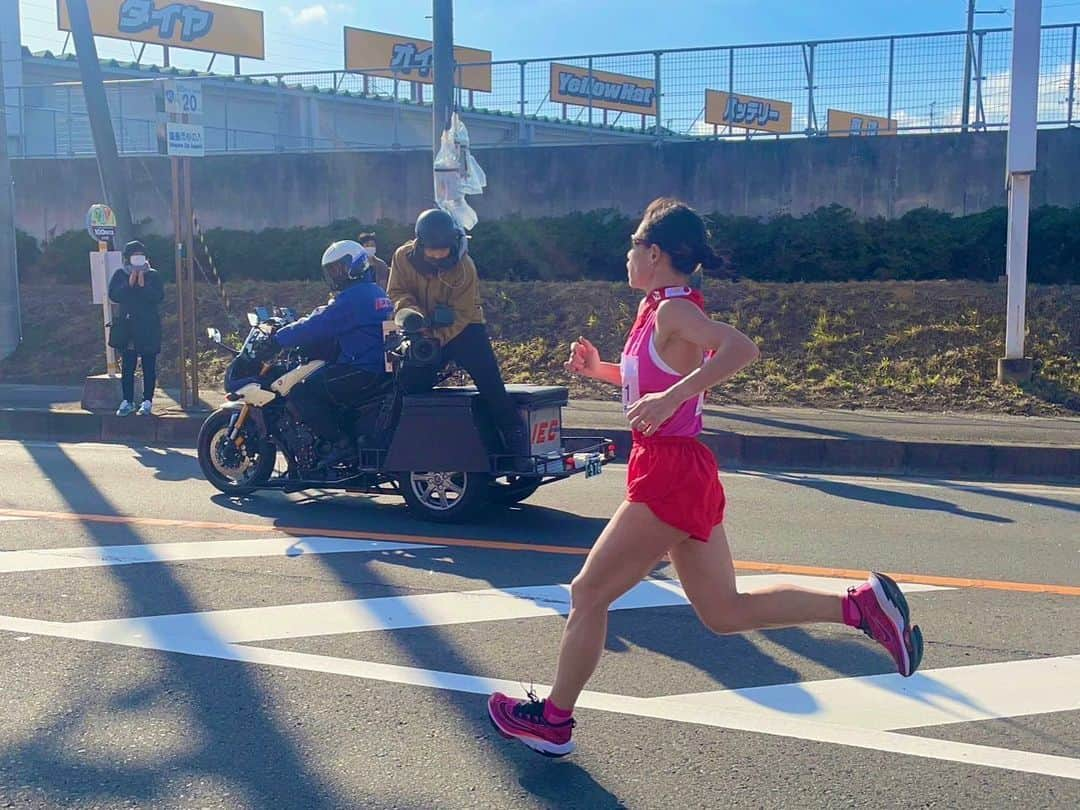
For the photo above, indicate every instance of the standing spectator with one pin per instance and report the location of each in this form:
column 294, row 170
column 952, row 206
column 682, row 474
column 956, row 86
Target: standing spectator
column 136, row 329
column 382, row 271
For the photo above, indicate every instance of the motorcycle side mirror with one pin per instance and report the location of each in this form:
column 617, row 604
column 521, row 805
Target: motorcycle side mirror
column 253, row 319
column 214, row 334
column 262, row 313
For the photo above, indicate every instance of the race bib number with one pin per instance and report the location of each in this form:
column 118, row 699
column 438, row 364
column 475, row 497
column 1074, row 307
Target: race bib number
column 631, row 387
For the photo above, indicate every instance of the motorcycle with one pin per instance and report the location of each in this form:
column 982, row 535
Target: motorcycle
column 432, row 447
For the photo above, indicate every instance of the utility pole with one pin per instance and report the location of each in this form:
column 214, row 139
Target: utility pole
column 965, row 112
column 443, row 44
column 1019, row 167
column 10, row 321
column 113, row 180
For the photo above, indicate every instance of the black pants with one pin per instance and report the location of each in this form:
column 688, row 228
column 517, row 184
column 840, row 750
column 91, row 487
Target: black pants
column 128, row 360
column 472, row 351
column 320, row 398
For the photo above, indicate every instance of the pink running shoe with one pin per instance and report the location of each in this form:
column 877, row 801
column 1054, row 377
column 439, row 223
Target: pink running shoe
column 883, row 615
column 524, row 720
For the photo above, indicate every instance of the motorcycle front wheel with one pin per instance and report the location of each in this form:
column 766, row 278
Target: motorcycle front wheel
column 233, row 469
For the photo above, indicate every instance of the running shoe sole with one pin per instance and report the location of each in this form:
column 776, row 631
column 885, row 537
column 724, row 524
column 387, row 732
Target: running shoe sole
column 893, row 602
column 547, row 749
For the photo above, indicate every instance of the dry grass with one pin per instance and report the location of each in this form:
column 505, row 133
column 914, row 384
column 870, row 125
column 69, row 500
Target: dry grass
column 926, row 346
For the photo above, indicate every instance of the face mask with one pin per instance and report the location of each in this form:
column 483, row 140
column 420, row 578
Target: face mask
column 369, row 250
column 138, row 260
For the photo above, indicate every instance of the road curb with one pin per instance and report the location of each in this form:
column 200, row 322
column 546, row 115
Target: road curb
column 852, row 455
column 882, row 457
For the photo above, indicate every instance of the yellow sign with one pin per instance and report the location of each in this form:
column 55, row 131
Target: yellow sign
column 609, row 91
column 842, row 124
column 193, row 24
column 747, row 112
column 411, row 59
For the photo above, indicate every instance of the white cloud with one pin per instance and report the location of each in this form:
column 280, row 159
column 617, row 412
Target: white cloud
column 308, row 14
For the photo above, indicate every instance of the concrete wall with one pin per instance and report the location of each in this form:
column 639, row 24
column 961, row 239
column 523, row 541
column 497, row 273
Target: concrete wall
column 883, row 176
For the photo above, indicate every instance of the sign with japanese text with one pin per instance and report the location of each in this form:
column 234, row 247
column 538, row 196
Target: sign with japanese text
column 411, row 59
column 747, row 112
column 184, row 140
column 609, row 91
column 193, row 24
column 842, row 124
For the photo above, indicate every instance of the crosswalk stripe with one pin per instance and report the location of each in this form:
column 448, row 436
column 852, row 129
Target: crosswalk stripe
column 417, row 610
column 95, row 556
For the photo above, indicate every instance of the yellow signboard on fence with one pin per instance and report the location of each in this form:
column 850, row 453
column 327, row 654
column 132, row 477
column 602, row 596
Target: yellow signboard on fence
column 412, row 59
column 841, row 124
column 609, row 91
column 193, row 24
column 747, row 112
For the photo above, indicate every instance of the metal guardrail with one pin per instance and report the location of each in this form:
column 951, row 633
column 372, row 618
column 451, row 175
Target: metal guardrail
column 916, row 81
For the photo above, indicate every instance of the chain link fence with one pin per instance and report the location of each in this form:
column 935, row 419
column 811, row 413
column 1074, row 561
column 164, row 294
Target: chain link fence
column 942, row 82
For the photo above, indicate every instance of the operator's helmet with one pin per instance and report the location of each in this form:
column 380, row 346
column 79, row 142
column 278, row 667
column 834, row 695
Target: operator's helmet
column 436, row 230
column 345, row 262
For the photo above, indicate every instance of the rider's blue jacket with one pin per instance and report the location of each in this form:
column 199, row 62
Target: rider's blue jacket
column 353, row 320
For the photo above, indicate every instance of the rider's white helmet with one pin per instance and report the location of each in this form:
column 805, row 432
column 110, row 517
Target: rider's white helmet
column 350, row 257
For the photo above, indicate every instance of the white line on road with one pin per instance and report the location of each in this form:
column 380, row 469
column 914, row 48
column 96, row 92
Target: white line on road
column 928, row 695
column 399, row 612
column 750, row 718
column 95, row 556
column 885, row 702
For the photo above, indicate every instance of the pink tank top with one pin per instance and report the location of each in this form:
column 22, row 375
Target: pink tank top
column 645, row 372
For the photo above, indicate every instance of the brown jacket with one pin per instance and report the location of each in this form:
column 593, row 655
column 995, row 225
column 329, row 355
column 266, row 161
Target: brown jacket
column 458, row 288
column 382, row 271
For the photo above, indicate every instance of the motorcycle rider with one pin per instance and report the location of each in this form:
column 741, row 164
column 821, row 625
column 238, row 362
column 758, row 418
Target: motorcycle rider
column 434, row 274
column 348, row 334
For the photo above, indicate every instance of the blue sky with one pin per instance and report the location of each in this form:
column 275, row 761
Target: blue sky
column 306, row 34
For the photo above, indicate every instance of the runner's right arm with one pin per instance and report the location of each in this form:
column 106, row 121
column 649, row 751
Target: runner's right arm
column 585, row 360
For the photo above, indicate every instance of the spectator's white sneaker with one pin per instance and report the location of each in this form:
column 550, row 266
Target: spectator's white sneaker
column 125, row 409
column 145, row 408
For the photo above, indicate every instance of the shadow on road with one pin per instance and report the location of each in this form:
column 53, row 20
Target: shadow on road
column 800, row 427
column 887, row 497
column 237, row 743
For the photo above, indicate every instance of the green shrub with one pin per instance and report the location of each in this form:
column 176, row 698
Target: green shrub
column 829, row 244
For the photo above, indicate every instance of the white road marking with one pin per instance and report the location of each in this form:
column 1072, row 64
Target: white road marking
column 399, row 612
column 933, row 698
column 813, row 711
column 9, row 518
column 95, row 556
column 750, row 718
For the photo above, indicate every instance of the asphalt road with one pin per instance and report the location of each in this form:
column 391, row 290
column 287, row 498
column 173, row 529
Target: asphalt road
column 163, row 646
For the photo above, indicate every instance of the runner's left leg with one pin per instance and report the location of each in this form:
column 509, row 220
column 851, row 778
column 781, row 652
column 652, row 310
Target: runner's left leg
column 708, row 578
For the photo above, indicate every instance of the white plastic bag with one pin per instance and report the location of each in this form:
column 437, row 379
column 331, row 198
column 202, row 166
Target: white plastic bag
column 457, row 173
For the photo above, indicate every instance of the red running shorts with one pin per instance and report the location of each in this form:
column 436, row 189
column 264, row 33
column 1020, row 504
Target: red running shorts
column 677, row 478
